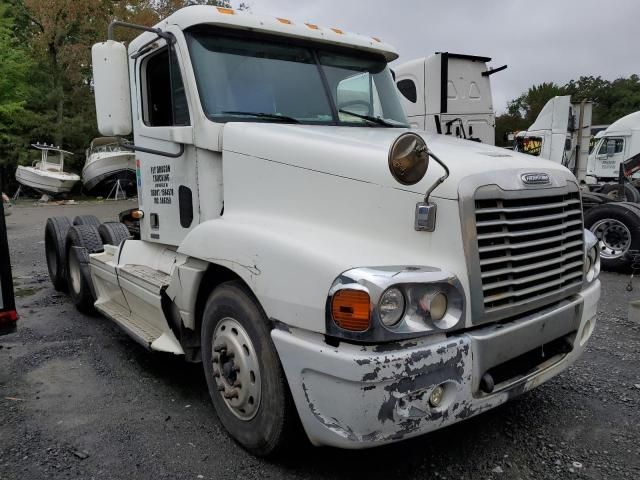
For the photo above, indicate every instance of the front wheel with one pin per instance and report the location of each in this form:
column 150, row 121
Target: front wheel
column 245, row 379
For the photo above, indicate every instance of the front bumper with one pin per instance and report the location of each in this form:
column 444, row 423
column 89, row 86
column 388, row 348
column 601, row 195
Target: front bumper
column 355, row 396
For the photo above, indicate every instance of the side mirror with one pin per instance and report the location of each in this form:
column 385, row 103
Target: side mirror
column 111, row 88
column 611, row 148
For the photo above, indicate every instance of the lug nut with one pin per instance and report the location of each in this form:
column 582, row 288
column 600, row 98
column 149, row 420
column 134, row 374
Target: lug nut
column 219, row 348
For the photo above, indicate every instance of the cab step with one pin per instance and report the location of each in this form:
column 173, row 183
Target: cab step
column 141, row 331
column 147, row 277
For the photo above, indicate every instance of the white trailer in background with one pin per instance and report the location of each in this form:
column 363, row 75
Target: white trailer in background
column 449, row 93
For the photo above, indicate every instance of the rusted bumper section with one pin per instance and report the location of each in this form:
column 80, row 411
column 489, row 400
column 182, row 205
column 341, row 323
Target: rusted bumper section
column 354, row 396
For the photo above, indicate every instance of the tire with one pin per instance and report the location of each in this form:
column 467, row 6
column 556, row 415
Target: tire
column 591, row 199
column 55, row 234
column 80, row 291
column 233, row 318
column 113, row 233
column 617, row 227
column 86, row 220
column 630, row 192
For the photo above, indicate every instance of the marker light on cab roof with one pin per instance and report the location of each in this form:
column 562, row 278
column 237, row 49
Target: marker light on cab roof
column 226, row 11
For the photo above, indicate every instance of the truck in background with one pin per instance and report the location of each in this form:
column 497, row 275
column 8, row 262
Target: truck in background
column 618, row 143
column 450, row 94
column 322, row 260
column 562, row 133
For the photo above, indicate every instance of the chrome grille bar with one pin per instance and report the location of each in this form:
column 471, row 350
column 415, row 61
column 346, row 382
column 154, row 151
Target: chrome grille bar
column 530, row 248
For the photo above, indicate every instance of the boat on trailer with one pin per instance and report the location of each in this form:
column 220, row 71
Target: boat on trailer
column 47, row 175
column 108, row 163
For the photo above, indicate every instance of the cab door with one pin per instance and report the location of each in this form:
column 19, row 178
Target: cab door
column 166, row 164
column 609, row 156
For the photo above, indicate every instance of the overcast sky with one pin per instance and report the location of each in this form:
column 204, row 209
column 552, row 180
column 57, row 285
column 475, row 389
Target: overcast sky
column 541, row 40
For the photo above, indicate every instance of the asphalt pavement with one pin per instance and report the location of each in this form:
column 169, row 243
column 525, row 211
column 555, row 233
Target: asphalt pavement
column 80, row 399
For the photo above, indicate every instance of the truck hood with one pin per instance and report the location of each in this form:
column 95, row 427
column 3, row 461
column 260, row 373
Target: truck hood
column 361, row 154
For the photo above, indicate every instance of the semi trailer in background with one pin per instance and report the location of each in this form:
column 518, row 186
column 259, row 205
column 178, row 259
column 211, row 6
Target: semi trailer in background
column 449, row 93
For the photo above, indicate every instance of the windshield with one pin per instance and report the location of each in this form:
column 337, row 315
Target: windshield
column 243, row 79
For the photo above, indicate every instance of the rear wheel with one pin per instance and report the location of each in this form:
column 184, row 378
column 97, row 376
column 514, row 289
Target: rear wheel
column 55, row 234
column 245, row 379
column 617, row 227
column 612, row 191
column 86, row 220
column 87, row 238
column 112, row 233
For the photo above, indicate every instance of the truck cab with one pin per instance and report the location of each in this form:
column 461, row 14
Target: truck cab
column 618, row 143
column 324, row 262
column 561, row 133
column 449, row 93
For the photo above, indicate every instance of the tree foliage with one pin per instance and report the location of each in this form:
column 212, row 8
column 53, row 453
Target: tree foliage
column 611, row 100
column 45, row 70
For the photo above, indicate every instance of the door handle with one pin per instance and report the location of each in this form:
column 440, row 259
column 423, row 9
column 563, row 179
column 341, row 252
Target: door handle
column 137, row 148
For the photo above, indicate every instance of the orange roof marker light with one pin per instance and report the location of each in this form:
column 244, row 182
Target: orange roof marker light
column 286, row 21
column 226, row 11
column 377, row 39
column 338, row 31
column 312, row 26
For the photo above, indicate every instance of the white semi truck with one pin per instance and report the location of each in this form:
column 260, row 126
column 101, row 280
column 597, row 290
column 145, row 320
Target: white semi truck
column 326, row 264
column 449, row 93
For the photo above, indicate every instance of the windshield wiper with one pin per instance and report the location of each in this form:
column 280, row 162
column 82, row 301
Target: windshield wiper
column 376, row 120
column 271, row 116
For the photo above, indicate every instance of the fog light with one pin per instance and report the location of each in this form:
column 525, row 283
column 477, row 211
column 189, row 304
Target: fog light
column 438, row 306
column 391, row 307
column 436, row 396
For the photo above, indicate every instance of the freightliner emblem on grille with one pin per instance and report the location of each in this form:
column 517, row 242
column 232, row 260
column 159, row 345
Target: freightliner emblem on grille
column 535, row 178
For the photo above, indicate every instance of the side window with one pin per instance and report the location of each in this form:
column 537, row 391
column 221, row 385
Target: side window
column 358, row 94
column 408, row 90
column 165, row 102
column 617, row 146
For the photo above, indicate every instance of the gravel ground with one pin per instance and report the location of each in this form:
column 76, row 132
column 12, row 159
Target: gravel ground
column 79, row 399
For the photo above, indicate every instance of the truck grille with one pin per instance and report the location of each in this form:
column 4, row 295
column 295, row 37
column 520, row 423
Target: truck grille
column 529, row 249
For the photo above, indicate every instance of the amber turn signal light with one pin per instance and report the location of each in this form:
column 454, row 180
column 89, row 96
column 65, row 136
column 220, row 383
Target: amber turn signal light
column 137, row 214
column 351, row 310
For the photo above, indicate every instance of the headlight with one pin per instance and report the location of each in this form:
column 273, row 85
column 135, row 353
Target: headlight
column 405, row 302
column 409, row 159
column 391, row 307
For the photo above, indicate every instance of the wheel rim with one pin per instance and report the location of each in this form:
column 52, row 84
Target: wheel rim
column 236, row 369
column 74, row 272
column 614, row 237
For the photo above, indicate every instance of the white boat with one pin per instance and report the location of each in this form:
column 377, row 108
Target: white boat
column 47, row 175
column 107, row 162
